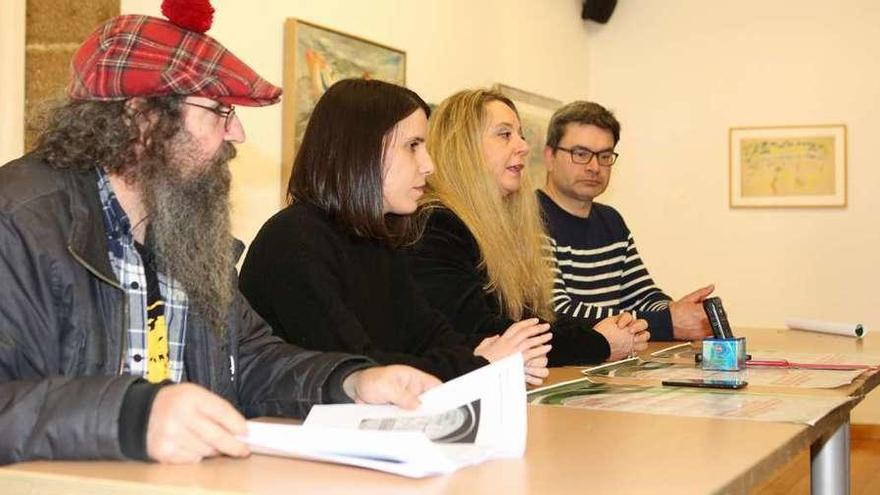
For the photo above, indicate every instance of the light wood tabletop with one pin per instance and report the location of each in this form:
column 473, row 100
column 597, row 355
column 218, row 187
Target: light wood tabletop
column 568, row 451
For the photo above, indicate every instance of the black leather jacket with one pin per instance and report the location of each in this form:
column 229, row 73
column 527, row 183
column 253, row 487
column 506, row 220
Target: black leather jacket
column 62, row 330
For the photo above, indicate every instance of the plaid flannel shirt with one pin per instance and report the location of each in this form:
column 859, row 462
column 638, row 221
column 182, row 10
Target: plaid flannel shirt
column 129, row 269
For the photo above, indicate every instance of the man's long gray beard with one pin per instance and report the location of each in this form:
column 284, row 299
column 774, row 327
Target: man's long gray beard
column 189, row 230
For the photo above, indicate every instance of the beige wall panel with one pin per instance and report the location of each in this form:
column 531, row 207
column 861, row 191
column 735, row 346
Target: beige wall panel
column 12, row 40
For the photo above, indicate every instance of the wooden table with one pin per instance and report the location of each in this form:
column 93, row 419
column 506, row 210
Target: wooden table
column 777, row 339
column 830, row 438
column 569, row 451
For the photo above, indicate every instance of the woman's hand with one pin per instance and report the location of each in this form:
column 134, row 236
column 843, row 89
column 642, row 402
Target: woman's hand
column 528, row 337
column 394, row 384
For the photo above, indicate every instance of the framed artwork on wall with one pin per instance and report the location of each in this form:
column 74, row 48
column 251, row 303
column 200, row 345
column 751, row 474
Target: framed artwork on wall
column 788, row 166
column 315, row 57
column 534, row 113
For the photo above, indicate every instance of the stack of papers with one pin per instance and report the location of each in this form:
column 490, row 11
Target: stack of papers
column 475, row 417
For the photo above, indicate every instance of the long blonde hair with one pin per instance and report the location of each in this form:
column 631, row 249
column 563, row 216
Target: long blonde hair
column 508, row 230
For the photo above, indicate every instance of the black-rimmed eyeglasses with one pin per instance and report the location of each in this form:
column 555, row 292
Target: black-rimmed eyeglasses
column 223, row 111
column 582, row 156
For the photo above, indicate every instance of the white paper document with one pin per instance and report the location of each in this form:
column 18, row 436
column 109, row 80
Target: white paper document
column 475, row 417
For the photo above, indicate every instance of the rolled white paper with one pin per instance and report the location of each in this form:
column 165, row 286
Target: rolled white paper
column 848, row 329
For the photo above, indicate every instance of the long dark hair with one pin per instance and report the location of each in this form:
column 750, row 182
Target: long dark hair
column 82, row 135
column 338, row 167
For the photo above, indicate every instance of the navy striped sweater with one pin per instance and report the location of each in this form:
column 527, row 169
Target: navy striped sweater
column 599, row 271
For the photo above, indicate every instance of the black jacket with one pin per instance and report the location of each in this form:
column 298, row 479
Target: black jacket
column 62, row 331
column 323, row 288
column 446, row 266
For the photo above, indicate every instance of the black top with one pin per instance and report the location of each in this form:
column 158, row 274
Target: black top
column 446, row 265
column 600, row 270
column 322, row 288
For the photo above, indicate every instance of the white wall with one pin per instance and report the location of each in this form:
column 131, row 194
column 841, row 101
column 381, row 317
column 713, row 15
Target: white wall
column 679, row 74
column 450, row 45
column 12, row 23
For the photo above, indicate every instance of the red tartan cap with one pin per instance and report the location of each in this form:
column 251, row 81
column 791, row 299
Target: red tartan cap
column 137, row 55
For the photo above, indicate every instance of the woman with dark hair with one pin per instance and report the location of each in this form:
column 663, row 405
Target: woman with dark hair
column 325, row 272
column 482, row 258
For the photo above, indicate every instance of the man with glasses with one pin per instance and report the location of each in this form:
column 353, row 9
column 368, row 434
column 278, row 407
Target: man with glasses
column 600, row 272
column 122, row 330
column 225, row 112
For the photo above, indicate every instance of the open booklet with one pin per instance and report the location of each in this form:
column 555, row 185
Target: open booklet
column 475, row 417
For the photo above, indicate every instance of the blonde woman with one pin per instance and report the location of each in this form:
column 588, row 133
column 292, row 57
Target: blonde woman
column 481, row 258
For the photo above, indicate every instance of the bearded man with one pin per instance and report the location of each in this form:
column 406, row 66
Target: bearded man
column 122, row 331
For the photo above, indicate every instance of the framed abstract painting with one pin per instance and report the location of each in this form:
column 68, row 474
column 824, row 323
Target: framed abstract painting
column 788, row 166
column 315, row 57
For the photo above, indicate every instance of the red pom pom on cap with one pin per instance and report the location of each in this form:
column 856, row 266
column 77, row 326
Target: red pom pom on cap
column 194, row 15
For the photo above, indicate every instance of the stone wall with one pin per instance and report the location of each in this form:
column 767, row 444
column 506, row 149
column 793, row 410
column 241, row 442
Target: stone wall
column 54, row 30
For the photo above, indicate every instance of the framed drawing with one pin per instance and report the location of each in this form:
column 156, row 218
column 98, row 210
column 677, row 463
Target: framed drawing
column 315, row 57
column 534, row 113
column 788, row 166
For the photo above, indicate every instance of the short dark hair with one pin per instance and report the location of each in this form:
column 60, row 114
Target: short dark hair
column 583, row 113
column 338, row 166
column 83, row 135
